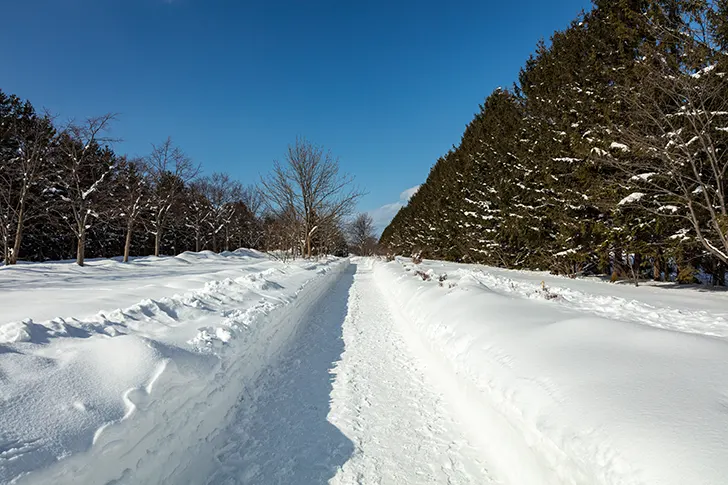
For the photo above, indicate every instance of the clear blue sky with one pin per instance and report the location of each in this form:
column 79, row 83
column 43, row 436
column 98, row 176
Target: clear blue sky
column 388, row 86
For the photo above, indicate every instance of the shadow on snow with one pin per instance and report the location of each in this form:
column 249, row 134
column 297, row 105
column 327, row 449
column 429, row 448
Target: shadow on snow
column 281, row 433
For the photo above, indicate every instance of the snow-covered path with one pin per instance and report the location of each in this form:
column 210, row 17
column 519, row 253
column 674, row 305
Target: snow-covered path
column 240, row 369
column 379, row 421
column 403, row 429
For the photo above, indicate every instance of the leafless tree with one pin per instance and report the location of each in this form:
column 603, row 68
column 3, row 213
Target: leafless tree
column 85, row 162
column 309, row 188
column 31, row 138
column 198, row 213
column 222, row 192
column 673, row 151
column 169, row 170
column 279, row 236
column 361, row 235
column 253, row 199
column 249, row 225
column 134, row 196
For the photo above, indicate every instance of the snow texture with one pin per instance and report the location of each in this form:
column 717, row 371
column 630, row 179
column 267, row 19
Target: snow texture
column 578, row 381
column 134, row 394
column 236, row 368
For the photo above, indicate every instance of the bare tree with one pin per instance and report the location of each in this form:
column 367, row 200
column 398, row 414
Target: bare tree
column 249, row 225
column 85, row 162
column 170, row 170
column 361, row 235
column 253, row 199
column 309, row 189
column 198, row 212
column 222, row 192
column 673, row 150
column 9, row 176
column 28, row 141
column 134, row 196
column 281, row 233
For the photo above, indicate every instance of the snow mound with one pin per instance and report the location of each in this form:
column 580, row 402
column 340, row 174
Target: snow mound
column 136, row 393
column 699, row 322
column 586, row 388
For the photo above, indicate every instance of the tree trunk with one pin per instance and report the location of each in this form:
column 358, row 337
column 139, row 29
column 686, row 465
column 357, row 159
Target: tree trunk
column 719, row 274
column 81, row 248
column 18, row 236
column 617, row 265
column 127, row 243
column 657, row 268
column 636, row 263
column 197, row 240
column 157, row 239
column 6, row 251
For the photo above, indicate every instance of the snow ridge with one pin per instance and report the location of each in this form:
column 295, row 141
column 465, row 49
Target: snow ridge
column 139, row 398
column 681, row 320
column 569, row 395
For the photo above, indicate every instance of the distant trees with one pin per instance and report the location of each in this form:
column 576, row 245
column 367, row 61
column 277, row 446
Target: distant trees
column 222, row 192
column 65, row 193
column 607, row 156
column 309, row 197
column 133, row 196
column 82, row 176
column 169, row 171
column 362, row 237
column 25, row 148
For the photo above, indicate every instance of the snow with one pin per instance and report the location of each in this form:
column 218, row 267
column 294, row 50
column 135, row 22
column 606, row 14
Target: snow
column 619, row 146
column 705, row 70
column 682, row 235
column 669, row 208
column 238, row 368
column 633, row 197
column 415, row 422
column 643, row 176
column 138, row 386
column 580, row 381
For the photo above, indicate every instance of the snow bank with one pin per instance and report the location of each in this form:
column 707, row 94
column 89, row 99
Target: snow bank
column 136, row 394
column 701, row 321
column 40, row 292
column 571, row 387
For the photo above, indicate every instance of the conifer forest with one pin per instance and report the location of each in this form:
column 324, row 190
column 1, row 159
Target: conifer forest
column 607, row 156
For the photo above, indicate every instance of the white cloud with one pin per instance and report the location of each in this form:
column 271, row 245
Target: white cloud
column 407, row 194
column 383, row 215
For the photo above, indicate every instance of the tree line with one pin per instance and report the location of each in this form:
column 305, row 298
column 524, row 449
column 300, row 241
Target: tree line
column 607, row 156
column 65, row 193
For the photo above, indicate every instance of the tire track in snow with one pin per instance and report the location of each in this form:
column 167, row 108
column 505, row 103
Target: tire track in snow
column 402, row 429
column 280, row 433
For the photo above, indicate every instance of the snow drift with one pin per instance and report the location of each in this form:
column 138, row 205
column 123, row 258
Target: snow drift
column 573, row 386
column 135, row 394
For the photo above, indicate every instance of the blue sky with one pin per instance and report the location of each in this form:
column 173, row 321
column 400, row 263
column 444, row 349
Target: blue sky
column 388, row 86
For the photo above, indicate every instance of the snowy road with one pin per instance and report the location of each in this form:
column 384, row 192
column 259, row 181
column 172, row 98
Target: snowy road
column 379, row 421
column 403, row 429
column 241, row 369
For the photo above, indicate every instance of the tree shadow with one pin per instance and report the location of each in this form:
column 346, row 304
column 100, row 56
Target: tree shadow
column 673, row 285
column 281, row 434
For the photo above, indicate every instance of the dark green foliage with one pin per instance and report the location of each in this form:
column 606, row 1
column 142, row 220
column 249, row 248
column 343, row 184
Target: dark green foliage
column 537, row 179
